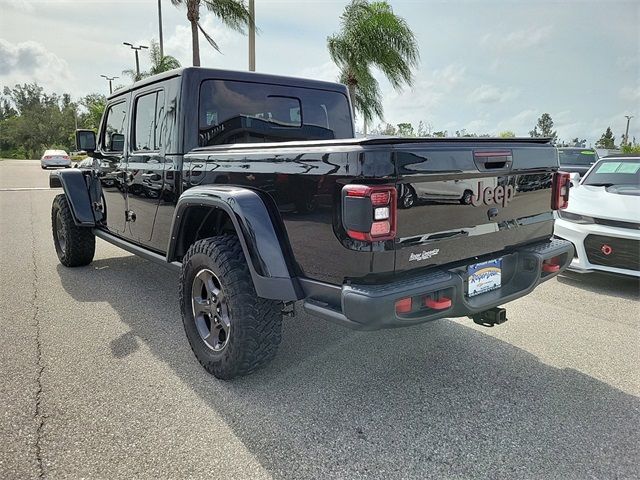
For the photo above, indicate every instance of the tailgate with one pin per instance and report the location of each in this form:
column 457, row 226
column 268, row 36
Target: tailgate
column 463, row 200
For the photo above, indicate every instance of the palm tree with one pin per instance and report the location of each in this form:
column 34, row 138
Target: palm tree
column 371, row 35
column 233, row 13
column 159, row 63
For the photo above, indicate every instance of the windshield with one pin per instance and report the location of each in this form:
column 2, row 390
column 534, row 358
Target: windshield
column 612, row 172
column 577, row 157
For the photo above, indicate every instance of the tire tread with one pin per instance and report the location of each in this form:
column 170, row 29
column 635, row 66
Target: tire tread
column 256, row 322
column 81, row 242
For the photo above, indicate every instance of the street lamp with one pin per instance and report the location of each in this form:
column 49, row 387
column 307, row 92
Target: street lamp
column 137, row 49
column 252, row 36
column 110, row 79
column 160, row 28
column 626, row 135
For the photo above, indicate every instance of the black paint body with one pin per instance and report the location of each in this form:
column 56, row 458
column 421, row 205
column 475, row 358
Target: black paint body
column 284, row 199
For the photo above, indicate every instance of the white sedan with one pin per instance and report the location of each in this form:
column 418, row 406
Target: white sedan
column 55, row 158
column 603, row 217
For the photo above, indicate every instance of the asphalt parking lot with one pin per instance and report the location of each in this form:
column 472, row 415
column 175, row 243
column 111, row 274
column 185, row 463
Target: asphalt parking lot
column 97, row 379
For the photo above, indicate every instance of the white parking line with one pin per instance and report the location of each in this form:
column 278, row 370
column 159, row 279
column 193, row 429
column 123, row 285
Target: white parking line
column 19, row 189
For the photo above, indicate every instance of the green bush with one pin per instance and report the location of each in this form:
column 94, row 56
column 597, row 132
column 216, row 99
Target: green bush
column 630, row 148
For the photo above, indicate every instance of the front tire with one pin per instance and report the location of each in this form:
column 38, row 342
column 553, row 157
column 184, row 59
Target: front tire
column 231, row 330
column 74, row 245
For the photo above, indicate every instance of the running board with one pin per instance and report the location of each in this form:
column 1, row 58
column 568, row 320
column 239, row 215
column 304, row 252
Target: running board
column 136, row 250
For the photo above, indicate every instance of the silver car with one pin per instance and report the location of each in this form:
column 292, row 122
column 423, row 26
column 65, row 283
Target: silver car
column 55, row 158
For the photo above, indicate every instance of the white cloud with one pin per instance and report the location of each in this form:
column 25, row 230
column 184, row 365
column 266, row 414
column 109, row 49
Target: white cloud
column 178, row 43
column 327, row 71
column 631, row 94
column 520, row 123
column 492, row 94
column 518, row 39
column 20, row 5
column 30, row 60
column 427, row 92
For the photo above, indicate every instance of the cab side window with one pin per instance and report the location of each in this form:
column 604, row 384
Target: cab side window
column 149, row 112
column 114, row 128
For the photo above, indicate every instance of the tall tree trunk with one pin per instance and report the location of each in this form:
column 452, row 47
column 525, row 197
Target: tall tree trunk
column 352, row 96
column 194, row 43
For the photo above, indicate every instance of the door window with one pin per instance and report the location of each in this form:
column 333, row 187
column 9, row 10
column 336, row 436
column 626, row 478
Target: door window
column 148, row 122
column 115, row 126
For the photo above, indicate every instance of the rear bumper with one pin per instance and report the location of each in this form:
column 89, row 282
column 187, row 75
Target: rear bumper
column 372, row 307
column 55, row 163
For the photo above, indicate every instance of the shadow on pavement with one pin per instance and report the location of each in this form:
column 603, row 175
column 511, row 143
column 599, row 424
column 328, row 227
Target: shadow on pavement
column 614, row 285
column 438, row 400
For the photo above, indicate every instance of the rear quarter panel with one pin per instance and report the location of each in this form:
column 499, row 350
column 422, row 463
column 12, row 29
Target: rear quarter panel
column 304, row 186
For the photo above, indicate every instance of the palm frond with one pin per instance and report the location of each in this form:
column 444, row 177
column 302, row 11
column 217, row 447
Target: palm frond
column 211, row 41
column 233, row 13
column 371, row 35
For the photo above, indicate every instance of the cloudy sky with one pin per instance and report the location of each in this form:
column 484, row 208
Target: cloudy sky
column 485, row 66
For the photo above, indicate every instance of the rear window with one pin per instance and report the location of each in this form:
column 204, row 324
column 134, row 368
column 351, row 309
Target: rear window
column 241, row 112
column 577, row 157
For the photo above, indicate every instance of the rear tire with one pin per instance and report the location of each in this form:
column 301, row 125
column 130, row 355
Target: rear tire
column 74, row 245
column 231, row 330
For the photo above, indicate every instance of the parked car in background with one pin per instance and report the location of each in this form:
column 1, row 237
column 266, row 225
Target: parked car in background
column 578, row 160
column 603, row 217
column 55, row 158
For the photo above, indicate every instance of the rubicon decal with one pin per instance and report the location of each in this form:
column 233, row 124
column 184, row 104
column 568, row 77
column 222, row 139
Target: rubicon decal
column 489, row 195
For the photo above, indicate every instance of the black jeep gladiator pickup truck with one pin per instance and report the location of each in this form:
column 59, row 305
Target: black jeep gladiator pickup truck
column 256, row 189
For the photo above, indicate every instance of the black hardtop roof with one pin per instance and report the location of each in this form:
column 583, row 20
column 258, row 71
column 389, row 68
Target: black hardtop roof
column 201, row 73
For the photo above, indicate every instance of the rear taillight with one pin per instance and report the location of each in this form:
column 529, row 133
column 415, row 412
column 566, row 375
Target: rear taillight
column 66, row 157
column 47, row 157
column 369, row 212
column 560, row 190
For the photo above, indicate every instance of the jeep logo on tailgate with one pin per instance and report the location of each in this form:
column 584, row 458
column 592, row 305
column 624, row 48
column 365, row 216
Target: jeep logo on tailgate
column 488, row 195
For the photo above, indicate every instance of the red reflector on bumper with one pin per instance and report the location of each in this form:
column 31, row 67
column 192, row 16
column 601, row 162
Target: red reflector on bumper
column 551, row 265
column 441, row 304
column 403, row 305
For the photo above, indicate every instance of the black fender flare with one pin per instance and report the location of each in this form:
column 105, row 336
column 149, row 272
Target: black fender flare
column 263, row 241
column 75, row 188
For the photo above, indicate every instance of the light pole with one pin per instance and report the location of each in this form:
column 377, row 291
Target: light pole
column 252, row 36
column 626, row 135
column 137, row 49
column 110, row 79
column 160, row 28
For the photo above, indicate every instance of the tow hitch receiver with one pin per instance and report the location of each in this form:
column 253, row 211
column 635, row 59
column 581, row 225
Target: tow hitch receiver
column 491, row 317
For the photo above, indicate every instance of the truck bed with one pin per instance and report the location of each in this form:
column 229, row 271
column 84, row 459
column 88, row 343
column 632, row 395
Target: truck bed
column 304, row 180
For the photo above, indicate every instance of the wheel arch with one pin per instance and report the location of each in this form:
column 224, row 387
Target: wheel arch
column 77, row 192
column 210, row 210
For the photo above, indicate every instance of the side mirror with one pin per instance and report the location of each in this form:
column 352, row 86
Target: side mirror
column 86, row 140
column 116, row 142
column 574, row 178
